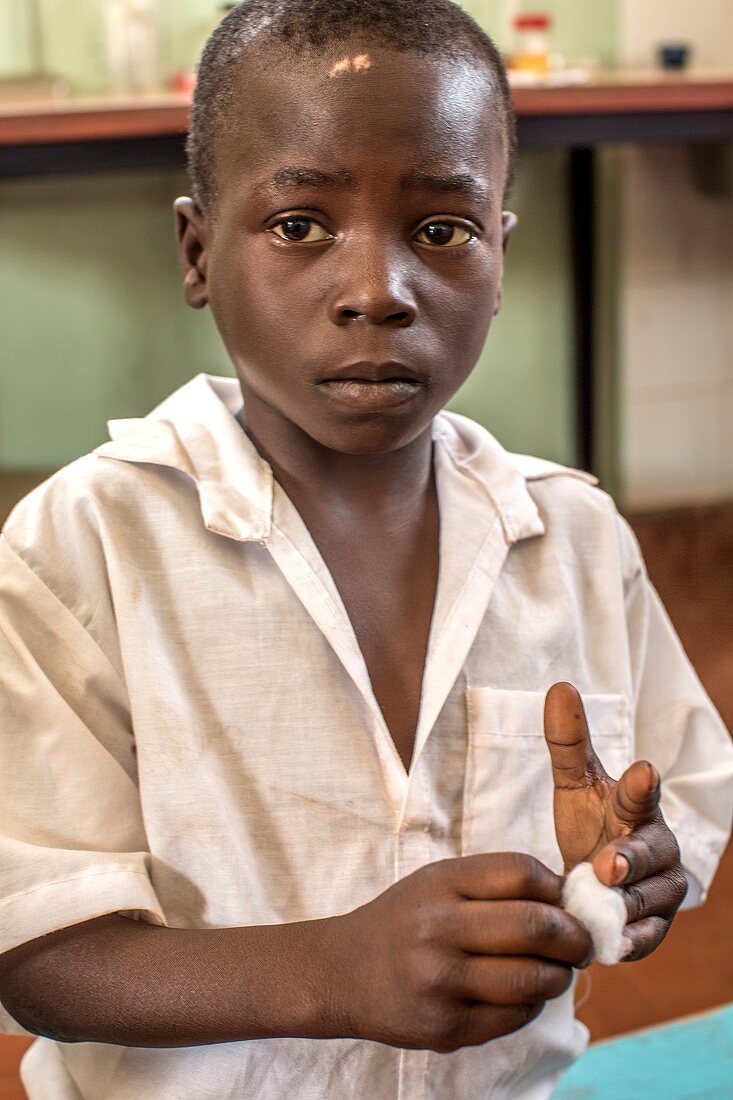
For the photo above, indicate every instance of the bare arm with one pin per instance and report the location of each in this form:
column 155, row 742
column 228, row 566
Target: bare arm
column 115, row 980
column 455, row 954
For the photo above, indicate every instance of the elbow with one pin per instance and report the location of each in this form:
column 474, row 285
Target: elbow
column 28, row 1002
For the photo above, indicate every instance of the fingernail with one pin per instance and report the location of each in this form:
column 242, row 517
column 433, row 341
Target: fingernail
column 620, row 869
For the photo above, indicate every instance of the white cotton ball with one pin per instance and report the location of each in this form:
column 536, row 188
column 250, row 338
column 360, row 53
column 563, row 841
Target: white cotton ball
column 601, row 909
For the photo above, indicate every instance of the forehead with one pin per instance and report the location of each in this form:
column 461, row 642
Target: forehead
column 361, row 108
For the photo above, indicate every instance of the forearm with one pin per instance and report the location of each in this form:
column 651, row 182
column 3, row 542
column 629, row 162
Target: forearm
column 114, row 980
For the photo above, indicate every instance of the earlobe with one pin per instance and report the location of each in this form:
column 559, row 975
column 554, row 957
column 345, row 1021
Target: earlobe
column 192, row 233
column 509, row 223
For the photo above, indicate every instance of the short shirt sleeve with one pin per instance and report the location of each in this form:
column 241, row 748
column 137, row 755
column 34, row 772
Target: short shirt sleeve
column 677, row 728
column 72, row 839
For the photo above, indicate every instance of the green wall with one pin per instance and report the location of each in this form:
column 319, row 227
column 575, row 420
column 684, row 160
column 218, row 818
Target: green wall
column 94, row 324
column 73, row 35
column 521, row 386
column 92, row 317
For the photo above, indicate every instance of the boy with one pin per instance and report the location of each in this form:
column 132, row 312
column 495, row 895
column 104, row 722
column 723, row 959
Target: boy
column 275, row 675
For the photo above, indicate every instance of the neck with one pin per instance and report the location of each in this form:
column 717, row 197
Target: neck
column 392, row 485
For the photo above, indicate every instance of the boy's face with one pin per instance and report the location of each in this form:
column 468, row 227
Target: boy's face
column 354, row 258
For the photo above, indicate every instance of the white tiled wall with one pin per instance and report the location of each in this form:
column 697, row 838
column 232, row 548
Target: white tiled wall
column 707, row 25
column 676, row 292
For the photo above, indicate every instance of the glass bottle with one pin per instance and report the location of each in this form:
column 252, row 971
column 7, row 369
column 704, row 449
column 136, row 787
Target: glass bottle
column 132, row 45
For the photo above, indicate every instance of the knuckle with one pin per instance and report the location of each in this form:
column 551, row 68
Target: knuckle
column 429, row 922
column 503, row 1022
column 526, row 873
column 550, row 925
column 433, row 875
column 527, row 1013
column 647, row 938
column 660, row 928
column 634, row 902
column 534, row 926
column 548, row 980
column 438, row 977
column 446, row 1030
column 562, row 980
column 525, row 982
column 679, row 884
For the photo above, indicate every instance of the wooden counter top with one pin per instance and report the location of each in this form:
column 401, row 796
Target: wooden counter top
column 58, row 120
column 628, row 92
column 74, row 120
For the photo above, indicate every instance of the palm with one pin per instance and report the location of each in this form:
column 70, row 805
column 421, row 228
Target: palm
column 591, row 809
column 585, row 820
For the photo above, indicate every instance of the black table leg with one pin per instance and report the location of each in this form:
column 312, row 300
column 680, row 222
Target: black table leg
column 583, row 252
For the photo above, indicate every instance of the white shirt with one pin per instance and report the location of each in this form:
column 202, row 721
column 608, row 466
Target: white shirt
column 189, row 733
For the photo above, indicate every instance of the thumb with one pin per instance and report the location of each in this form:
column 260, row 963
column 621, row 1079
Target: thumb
column 636, row 795
column 568, row 738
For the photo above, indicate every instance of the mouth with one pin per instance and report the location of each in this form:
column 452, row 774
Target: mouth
column 372, row 386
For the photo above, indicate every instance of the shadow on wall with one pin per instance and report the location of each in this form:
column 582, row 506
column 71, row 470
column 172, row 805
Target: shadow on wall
column 94, row 323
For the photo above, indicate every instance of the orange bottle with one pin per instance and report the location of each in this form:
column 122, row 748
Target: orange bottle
column 533, row 45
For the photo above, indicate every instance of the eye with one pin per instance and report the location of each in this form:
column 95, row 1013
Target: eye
column 300, row 230
column 443, row 234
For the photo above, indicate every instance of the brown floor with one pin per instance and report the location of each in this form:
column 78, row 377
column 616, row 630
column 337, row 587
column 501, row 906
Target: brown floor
column 690, row 559
column 689, row 555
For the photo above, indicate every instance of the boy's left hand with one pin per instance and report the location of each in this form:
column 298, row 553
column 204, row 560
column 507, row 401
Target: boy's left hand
column 616, row 825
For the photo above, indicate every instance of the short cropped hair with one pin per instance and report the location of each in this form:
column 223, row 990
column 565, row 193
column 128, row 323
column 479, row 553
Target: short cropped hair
column 436, row 28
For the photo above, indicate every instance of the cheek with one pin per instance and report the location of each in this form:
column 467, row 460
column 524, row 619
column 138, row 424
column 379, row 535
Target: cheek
column 462, row 306
column 258, row 302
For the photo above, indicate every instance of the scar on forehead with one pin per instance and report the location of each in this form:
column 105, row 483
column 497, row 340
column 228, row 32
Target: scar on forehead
column 359, row 63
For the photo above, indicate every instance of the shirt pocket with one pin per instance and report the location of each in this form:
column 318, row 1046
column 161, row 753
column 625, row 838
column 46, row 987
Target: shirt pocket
column 508, row 793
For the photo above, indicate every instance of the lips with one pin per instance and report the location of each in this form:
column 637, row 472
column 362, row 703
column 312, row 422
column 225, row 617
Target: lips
column 369, row 371
column 371, row 387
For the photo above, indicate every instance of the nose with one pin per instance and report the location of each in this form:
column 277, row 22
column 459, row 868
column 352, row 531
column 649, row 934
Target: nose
column 372, row 290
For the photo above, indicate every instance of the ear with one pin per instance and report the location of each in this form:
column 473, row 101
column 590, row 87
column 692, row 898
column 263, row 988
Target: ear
column 508, row 224
column 192, row 231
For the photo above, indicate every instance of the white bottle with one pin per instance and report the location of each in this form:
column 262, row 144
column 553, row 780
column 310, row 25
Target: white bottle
column 132, row 45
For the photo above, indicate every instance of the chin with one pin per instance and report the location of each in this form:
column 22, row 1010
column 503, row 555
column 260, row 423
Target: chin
column 375, row 436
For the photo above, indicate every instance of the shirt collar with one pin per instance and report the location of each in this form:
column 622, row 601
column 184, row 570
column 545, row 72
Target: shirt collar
column 195, row 430
column 475, row 454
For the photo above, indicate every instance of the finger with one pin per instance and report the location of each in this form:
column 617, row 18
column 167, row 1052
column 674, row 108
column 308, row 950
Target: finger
column 645, row 936
column 510, row 980
column 522, row 928
column 650, row 850
column 504, row 876
column 660, row 896
column 568, row 739
column 636, row 795
column 486, row 1021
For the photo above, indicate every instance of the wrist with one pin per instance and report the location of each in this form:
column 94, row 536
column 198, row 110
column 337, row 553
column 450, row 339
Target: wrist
column 314, row 1002
column 331, row 1000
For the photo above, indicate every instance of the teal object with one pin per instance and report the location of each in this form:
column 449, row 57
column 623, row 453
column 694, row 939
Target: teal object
column 688, row 1060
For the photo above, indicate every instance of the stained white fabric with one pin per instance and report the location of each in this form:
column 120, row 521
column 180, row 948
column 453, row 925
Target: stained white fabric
column 188, row 732
column 601, row 910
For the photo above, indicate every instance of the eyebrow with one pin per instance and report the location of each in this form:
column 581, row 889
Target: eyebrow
column 461, row 183
column 290, row 177
column 293, row 176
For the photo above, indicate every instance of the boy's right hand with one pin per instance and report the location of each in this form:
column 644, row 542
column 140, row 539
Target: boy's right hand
column 457, row 953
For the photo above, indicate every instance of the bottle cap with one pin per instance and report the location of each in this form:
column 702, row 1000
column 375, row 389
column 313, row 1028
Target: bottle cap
column 534, row 21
